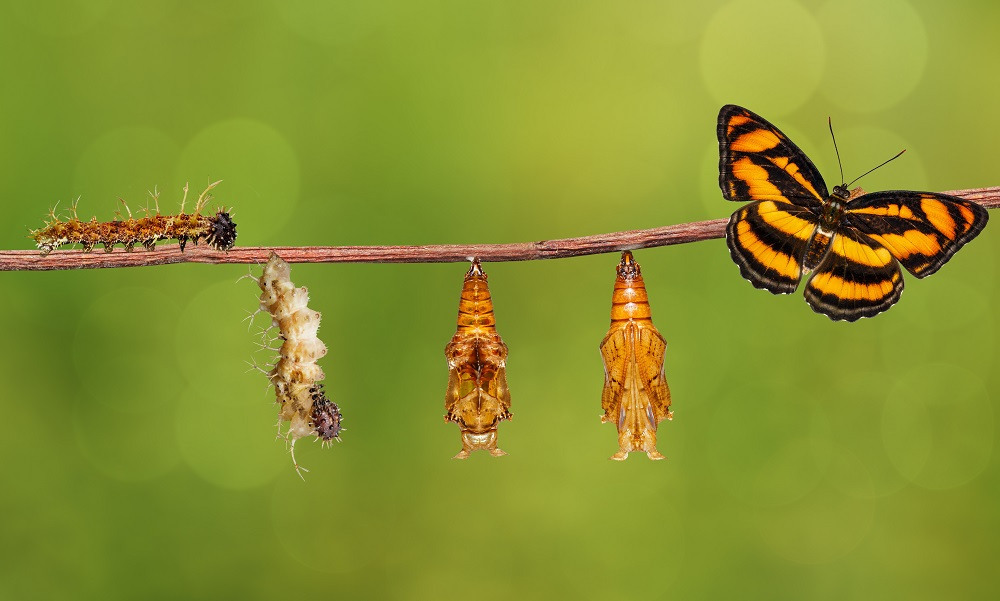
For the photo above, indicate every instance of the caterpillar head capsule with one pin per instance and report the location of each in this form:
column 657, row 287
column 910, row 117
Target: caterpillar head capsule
column 326, row 416
column 222, row 231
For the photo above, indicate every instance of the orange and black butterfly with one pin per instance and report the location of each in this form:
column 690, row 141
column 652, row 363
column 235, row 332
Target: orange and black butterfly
column 852, row 247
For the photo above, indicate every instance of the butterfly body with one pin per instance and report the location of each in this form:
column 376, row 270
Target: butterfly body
column 850, row 247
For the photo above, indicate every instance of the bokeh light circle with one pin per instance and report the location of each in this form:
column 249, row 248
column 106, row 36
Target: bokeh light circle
column 126, row 446
column 768, row 55
column 130, row 319
column 857, row 401
column 768, row 458
column 260, row 172
column 825, row 524
column 226, row 420
column 881, row 52
column 128, row 163
column 229, row 440
column 333, row 22
column 937, row 426
column 863, row 147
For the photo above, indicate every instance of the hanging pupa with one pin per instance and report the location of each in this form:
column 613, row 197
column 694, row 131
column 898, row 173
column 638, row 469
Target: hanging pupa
column 636, row 397
column 477, row 398
column 295, row 374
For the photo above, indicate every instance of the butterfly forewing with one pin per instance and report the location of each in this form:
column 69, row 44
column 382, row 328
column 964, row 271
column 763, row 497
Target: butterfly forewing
column 758, row 162
column 857, row 278
column 921, row 229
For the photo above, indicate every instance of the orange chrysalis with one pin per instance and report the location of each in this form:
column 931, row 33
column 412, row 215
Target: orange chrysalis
column 477, row 398
column 636, row 396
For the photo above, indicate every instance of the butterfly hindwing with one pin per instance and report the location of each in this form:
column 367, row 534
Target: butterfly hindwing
column 768, row 239
column 758, row 162
column 857, row 278
column 921, row 229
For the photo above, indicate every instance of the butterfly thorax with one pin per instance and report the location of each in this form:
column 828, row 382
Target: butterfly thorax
column 831, row 214
column 833, row 208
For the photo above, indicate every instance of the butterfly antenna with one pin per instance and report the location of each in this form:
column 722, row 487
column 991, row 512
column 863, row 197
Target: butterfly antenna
column 829, row 121
column 884, row 163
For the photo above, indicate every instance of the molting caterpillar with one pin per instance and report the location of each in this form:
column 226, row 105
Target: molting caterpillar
column 218, row 230
column 477, row 398
column 295, row 373
column 636, row 397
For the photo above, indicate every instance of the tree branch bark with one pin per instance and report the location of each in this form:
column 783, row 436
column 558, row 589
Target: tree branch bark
column 31, row 260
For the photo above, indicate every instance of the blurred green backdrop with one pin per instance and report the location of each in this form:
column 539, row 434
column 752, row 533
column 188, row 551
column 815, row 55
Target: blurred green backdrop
column 807, row 459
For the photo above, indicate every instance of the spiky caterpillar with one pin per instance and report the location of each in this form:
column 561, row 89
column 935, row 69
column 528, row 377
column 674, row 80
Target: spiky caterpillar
column 218, row 230
column 295, row 374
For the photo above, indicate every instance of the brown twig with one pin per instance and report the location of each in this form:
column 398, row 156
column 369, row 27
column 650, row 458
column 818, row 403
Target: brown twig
column 31, row 260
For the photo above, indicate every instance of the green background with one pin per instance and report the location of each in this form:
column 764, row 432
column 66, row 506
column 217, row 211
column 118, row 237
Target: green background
column 807, row 459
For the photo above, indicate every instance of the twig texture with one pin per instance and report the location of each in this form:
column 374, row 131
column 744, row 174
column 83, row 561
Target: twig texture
column 31, row 260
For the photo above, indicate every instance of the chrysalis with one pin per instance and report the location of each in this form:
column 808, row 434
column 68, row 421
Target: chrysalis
column 636, row 396
column 218, row 230
column 477, row 398
column 295, row 373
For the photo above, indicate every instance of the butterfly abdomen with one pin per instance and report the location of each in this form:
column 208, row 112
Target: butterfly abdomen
column 819, row 246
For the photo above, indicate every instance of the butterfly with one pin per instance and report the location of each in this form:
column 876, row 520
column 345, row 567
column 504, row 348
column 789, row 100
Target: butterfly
column 850, row 248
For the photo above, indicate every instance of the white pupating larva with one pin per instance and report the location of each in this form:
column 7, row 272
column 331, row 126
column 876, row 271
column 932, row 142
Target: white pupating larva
column 295, row 373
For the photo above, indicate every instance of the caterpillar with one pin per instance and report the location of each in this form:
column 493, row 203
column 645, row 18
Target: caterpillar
column 636, row 396
column 218, row 230
column 295, row 375
column 477, row 398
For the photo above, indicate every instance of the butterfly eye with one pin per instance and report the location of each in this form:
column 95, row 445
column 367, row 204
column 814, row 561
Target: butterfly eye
column 841, row 193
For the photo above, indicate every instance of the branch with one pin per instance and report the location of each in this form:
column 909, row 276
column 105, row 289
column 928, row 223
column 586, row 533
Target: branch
column 31, row 260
